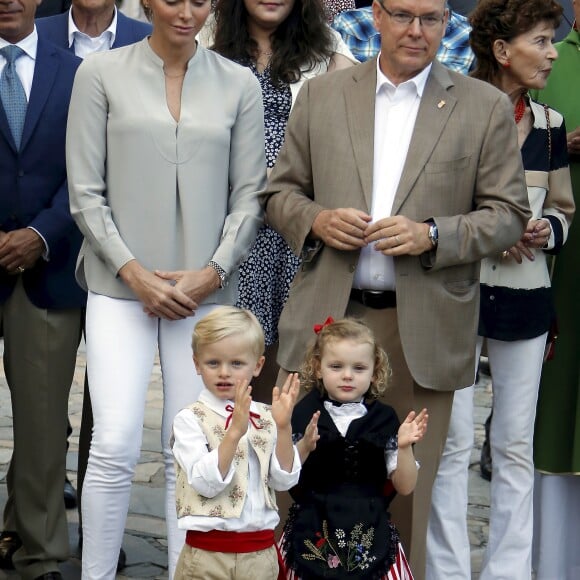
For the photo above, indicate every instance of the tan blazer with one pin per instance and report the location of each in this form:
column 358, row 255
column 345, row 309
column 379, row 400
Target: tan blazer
column 463, row 169
column 172, row 195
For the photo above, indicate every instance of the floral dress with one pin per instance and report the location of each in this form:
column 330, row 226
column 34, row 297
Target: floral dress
column 268, row 271
column 339, row 526
column 334, row 7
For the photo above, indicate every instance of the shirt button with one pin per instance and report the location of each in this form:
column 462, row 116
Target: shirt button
column 352, row 268
column 492, row 297
column 494, row 267
column 21, row 173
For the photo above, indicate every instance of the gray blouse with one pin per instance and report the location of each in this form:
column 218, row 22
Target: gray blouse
column 173, row 195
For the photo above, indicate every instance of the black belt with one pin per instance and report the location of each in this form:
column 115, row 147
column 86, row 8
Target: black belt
column 377, row 299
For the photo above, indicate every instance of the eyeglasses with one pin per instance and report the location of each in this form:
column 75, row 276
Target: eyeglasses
column 406, row 18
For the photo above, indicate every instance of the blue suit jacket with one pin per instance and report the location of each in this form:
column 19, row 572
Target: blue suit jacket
column 33, row 186
column 55, row 29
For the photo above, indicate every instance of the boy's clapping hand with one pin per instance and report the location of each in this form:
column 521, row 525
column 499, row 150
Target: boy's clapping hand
column 241, row 413
column 284, row 399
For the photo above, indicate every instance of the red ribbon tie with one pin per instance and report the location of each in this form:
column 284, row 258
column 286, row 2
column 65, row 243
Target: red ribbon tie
column 253, row 416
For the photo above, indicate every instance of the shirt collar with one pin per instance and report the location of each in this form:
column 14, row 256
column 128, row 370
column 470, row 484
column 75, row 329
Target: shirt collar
column 72, row 28
column 29, row 44
column 345, row 409
column 418, row 81
column 343, row 416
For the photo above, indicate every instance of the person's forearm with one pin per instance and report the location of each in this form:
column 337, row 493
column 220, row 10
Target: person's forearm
column 285, row 449
column 226, row 451
column 303, row 450
column 404, row 478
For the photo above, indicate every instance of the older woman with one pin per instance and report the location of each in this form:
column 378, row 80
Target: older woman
column 512, row 42
column 165, row 162
column 283, row 45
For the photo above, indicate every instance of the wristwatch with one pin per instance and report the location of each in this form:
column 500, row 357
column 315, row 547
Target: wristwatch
column 433, row 234
column 223, row 275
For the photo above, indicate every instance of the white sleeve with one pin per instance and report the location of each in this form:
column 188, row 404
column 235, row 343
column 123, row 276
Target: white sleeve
column 281, row 480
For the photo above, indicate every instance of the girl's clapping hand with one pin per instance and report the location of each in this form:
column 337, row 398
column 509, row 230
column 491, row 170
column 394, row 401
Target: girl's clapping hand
column 311, row 435
column 307, row 444
column 413, row 428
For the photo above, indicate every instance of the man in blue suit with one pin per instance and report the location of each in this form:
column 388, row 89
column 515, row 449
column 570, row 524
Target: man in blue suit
column 40, row 302
column 92, row 26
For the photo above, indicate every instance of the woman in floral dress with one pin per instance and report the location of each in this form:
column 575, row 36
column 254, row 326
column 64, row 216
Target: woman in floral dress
column 283, row 45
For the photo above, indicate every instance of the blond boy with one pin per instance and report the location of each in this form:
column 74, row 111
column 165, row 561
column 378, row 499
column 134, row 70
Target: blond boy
column 232, row 454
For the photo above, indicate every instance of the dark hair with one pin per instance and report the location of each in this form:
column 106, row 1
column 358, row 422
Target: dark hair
column 493, row 20
column 299, row 43
column 345, row 329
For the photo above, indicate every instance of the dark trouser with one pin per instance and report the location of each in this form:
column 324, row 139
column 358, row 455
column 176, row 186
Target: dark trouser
column 85, row 437
column 40, row 349
column 262, row 385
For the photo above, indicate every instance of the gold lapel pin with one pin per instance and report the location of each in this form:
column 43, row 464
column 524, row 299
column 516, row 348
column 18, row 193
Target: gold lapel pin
column 440, row 104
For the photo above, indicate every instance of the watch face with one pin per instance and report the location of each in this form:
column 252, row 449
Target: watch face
column 433, row 234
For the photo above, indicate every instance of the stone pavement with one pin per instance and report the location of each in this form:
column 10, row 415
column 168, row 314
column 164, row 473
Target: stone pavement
column 145, row 534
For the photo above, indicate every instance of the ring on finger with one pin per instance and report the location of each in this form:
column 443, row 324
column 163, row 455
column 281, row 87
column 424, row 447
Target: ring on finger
column 505, row 254
column 398, row 240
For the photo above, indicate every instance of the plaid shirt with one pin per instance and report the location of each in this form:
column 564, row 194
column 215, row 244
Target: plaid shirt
column 358, row 32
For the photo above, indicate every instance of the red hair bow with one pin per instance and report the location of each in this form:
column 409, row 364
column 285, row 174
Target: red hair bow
column 319, row 327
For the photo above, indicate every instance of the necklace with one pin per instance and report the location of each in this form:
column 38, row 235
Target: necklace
column 267, row 53
column 519, row 109
column 172, row 76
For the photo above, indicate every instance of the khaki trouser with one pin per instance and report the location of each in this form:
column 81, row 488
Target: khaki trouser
column 196, row 564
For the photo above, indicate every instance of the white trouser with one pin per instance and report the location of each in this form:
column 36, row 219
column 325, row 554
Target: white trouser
column 515, row 368
column 121, row 345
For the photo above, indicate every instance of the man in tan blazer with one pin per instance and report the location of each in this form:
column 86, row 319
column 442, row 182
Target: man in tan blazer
column 394, row 181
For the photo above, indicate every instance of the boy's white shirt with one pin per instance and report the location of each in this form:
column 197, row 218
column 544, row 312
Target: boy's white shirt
column 201, row 468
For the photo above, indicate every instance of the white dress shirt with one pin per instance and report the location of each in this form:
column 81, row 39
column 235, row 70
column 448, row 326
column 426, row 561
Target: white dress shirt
column 396, row 110
column 201, row 467
column 85, row 44
column 25, row 64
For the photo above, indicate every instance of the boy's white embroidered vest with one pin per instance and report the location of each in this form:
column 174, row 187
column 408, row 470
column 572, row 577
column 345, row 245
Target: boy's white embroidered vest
column 229, row 503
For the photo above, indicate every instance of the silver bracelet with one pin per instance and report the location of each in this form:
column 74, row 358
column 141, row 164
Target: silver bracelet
column 220, row 272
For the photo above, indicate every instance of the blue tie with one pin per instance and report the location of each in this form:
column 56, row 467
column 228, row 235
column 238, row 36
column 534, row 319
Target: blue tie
column 12, row 92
